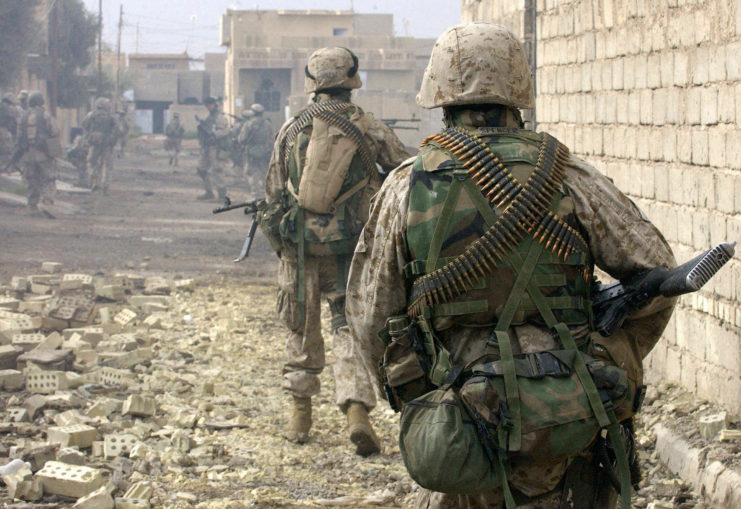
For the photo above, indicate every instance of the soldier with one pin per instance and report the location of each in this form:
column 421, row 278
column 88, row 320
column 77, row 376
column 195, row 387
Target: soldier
column 174, row 132
column 123, row 132
column 100, row 134
column 77, row 155
column 38, row 142
column 213, row 137
column 256, row 137
column 481, row 251
column 321, row 176
column 239, row 156
column 23, row 100
column 8, row 126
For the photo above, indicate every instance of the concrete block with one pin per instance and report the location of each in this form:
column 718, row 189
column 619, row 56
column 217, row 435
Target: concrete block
column 71, row 456
column 46, row 360
column 113, row 376
column 726, row 104
column 18, row 414
column 51, row 323
column 51, row 342
column 156, row 286
column 8, row 356
column 700, row 153
column 139, row 406
column 76, row 435
column 711, row 425
column 733, row 66
column 653, row 68
column 709, row 108
column 97, row 449
column 103, row 407
column 28, row 341
column 34, row 404
column 185, row 284
column 21, row 484
column 110, row 292
column 693, row 106
column 11, row 380
column 69, row 418
column 730, row 435
column 733, row 149
column 141, row 489
column 131, row 503
column 717, row 149
column 98, row 499
column 125, row 317
column 700, row 66
column 681, row 66
column 69, row 480
column 19, row 284
column 51, row 267
column 85, row 280
column 118, row 444
column 46, row 382
column 9, row 303
column 40, row 288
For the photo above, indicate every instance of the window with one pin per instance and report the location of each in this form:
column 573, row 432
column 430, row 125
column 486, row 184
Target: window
column 270, row 99
column 339, row 32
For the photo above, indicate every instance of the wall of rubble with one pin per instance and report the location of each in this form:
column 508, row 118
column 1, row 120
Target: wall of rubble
column 650, row 93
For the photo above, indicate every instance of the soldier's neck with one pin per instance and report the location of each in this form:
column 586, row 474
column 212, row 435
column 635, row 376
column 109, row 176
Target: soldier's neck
column 488, row 115
column 333, row 95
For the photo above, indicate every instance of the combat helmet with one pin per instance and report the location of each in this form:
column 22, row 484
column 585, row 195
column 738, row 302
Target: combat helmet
column 248, row 113
column 477, row 63
column 257, row 109
column 35, row 98
column 22, row 95
column 331, row 68
column 102, row 103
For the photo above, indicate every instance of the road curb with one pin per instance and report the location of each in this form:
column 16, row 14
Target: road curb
column 718, row 484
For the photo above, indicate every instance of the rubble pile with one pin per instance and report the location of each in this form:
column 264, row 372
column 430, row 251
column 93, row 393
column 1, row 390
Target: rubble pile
column 132, row 392
column 129, row 391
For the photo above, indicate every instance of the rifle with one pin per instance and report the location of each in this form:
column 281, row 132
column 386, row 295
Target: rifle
column 612, row 303
column 391, row 122
column 205, row 132
column 250, row 207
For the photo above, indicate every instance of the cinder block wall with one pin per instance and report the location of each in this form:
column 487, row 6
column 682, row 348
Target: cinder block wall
column 649, row 91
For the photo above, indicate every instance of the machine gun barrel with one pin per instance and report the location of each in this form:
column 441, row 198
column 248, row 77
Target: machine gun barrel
column 612, row 303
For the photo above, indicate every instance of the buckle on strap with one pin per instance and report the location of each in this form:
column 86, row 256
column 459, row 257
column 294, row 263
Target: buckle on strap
column 547, row 364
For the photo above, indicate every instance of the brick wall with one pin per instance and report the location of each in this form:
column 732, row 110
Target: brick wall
column 649, row 91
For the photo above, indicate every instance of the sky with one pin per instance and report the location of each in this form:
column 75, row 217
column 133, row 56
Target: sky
column 174, row 26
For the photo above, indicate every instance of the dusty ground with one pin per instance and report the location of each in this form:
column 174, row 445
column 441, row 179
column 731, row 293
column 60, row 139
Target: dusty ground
column 215, row 371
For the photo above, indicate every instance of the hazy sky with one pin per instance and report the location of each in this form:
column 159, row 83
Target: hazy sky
column 170, row 26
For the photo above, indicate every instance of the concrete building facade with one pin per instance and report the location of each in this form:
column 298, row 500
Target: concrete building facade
column 650, row 93
column 267, row 52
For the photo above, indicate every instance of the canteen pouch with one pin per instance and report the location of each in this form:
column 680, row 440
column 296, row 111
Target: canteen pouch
column 403, row 366
column 440, row 446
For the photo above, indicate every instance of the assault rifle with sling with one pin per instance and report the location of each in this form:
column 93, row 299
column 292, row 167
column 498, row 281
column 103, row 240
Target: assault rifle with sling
column 250, row 207
column 612, row 303
column 205, row 132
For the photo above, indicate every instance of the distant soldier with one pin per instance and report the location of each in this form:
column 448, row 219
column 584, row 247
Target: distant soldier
column 23, row 100
column 123, row 132
column 77, row 155
column 257, row 137
column 38, row 144
column 214, row 138
column 101, row 133
column 174, row 132
column 238, row 149
column 8, row 126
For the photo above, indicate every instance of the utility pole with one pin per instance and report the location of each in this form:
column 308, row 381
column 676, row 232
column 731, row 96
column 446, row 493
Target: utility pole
column 100, row 47
column 118, row 57
column 53, row 50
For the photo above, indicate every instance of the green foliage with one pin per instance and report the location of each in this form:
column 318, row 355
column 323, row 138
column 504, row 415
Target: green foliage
column 17, row 31
column 77, row 35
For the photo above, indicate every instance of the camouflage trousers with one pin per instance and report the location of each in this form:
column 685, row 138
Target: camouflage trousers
column 211, row 169
column 38, row 174
column 255, row 172
column 100, row 162
column 305, row 357
column 172, row 145
column 583, row 485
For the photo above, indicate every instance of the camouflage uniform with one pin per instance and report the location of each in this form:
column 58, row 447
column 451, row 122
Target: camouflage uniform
column 325, row 271
column 8, row 127
column 174, row 140
column 214, row 134
column 100, row 130
column 38, row 138
column 256, row 136
column 77, row 155
column 621, row 241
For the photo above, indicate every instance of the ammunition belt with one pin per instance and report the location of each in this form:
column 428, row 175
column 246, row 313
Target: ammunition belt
column 303, row 120
column 525, row 212
column 351, row 131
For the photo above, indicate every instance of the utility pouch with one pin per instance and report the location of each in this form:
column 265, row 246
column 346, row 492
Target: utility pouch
column 404, row 366
column 269, row 218
column 440, row 446
column 557, row 419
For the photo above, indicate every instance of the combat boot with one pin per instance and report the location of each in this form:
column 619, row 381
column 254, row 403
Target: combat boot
column 208, row 195
column 361, row 432
column 300, row 423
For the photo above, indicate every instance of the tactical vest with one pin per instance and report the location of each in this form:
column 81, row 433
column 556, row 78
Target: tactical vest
column 260, row 139
column 494, row 242
column 101, row 128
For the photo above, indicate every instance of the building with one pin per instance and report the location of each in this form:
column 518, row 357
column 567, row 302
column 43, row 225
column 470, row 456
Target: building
column 649, row 94
column 267, row 52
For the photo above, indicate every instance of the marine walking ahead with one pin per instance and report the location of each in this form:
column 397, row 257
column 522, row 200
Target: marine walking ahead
column 256, row 137
column 471, row 288
column 100, row 133
column 214, row 137
column 322, row 174
column 37, row 145
column 174, row 139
